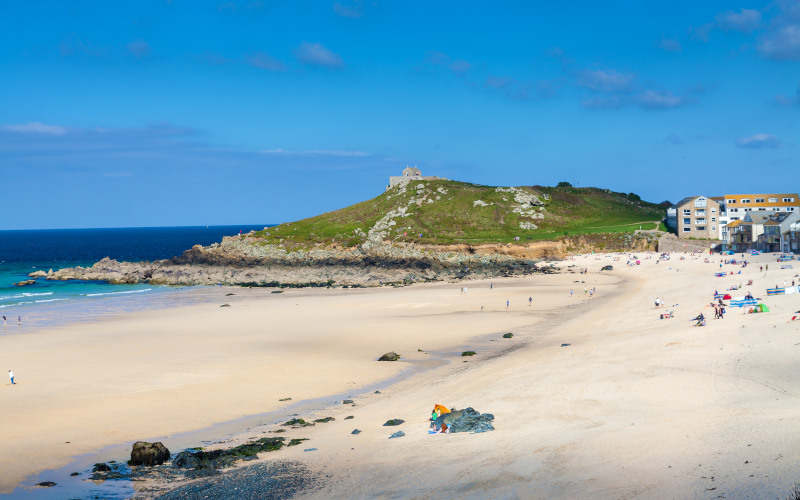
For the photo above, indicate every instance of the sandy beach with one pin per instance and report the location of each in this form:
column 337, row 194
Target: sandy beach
column 632, row 407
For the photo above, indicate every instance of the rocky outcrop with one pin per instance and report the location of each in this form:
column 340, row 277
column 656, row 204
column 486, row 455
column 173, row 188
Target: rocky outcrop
column 389, row 356
column 247, row 261
column 218, row 459
column 37, row 274
column 469, row 420
column 144, row 453
column 25, row 282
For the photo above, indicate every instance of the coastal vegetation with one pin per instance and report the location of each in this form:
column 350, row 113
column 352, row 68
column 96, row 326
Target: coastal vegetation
column 443, row 212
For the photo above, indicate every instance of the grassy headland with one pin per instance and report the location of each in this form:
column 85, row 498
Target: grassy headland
column 450, row 212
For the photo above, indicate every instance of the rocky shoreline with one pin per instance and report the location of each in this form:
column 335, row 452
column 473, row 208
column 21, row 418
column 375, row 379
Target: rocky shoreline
column 242, row 260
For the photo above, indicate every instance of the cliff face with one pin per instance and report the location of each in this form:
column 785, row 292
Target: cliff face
column 244, row 260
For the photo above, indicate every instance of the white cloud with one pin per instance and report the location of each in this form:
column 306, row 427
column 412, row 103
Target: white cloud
column 262, row 60
column 783, row 43
column 36, row 128
column 746, row 20
column 659, row 99
column 316, row 54
column 759, row 141
column 606, row 80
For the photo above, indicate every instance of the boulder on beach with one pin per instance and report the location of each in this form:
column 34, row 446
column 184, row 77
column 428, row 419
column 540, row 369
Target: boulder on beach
column 508, row 335
column 607, row 268
column 397, row 434
column 389, row 356
column 469, row 420
column 394, row 421
column 144, row 453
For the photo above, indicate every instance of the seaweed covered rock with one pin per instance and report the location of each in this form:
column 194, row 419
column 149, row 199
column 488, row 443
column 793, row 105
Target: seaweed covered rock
column 607, row 268
column 469, row 420
column 389, row 356
column 144, row 453
column 218, row 459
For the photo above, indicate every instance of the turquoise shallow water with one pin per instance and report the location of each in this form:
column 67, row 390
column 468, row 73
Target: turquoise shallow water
column 48, row 303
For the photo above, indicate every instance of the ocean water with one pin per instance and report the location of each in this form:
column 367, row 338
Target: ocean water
column 52, row 302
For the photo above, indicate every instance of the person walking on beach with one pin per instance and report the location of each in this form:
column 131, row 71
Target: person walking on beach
column 19, row 320
column 530, row 301
column 585, row 289
column 11, row 376
column 570, row 292
column 490, row 285
column 507, row 303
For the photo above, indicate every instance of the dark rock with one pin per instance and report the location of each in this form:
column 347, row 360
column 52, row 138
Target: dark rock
column 25, row 282
column 469, row 420
column 394, row 421
column 508, row 335
column 101, row 468
column 225, row 305
column 468, row 353
column 607, row 268
column 376, row 392
column 296, row 441
column 298, row 422
column 389, row 356
column 285, row 399
column 75, row 474
column 349, row 417
column 356, row 431
column 565, row 345
column 397, row 434
column 277, row 291
column 46, row 484
column 324, row 420
column 144, row 453
column 347, row 402
column 229, row 294
column 218, row 459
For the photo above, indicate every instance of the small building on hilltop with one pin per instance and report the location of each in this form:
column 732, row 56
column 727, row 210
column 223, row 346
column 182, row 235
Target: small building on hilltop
column 411, row 174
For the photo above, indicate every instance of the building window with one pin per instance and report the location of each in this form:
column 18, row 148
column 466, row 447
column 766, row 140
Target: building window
column 699, row 221
column 701, row 228
column 788, row 200
column 762, row 209
column 773, row 200
column 745, row 200
column 759, row 200
column 730, row 201
column 790, row 209
column 686, row 211
column 687, row 229
column 713, row 219
column 713, row 210
column 699, row 213
column 734, row 209
column 700, row 203
column 713, row 228
column 687, row 221
column 734, row 218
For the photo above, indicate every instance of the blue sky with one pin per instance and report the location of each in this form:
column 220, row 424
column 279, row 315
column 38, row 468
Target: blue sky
column 180, row 112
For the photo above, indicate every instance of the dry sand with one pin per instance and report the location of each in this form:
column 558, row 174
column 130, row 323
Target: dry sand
column 633, row 407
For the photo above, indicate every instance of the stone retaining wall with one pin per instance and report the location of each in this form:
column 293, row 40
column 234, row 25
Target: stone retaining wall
column 671, row 243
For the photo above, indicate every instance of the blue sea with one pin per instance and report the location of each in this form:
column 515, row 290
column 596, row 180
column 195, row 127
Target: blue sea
column 49, row 303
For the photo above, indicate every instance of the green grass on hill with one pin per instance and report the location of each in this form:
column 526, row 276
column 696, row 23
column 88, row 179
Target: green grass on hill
column 446, row 212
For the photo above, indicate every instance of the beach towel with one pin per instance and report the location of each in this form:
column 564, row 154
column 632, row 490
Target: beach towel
column 776, row 291
column 720, row 275
column 787, row 266
column 718, row 295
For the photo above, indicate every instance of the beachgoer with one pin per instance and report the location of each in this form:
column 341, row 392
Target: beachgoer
column 11, row 376
column 491, row 285
column 507, row 303
column 585, row 289
column 570, row 292
column 530, row 301
column 19, row 320
column 4, row 321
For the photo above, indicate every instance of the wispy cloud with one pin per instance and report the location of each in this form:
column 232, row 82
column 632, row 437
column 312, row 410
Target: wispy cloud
column 139, row 49
column 606, row 80
column 318, row 152
column 262, row 60
column 759, row 141
column 655, row 99
column 35, row 128
column 782, row 43
column 71, row 46
column 745, row 21
column 316, row 54
column 669, row 45
column 674, row 139
column 354, row 9
column 436, row 59
column 209, row 57
column 523, row 90
column 784, row 100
